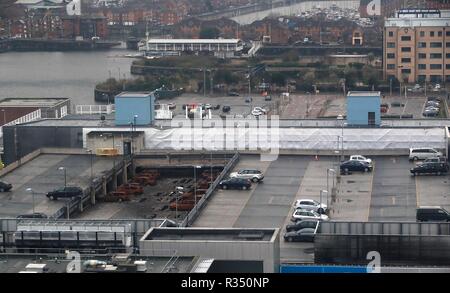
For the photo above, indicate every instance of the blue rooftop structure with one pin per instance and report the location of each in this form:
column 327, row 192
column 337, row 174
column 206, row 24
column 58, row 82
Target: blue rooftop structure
column 363, row 108
column 135, row 104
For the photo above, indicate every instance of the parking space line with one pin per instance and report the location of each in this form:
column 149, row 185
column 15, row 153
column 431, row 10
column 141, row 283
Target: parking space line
column 417, row 191
column 370, row 191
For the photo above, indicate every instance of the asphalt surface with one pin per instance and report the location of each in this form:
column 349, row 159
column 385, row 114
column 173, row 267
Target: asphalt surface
column 394, row 190
column 42, row 175
column 271, row 201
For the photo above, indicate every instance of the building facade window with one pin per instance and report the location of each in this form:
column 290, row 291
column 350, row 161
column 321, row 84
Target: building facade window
column 447, row 66
column 435, row 66
column 406, row 49
column 422, row 45
column 391, row 34
column 422, row 34
column 439, row 33
column 447, row 78
column 447, row 33
column 390, row 55
column 435, row 45
column 406, row 71
column 422, row 56
column 391, row 66
column 447, row 44
column 435, row 56
column 422, row 66
column 390, row 45
column 421, row 78
column 406, row 38
column 436, row 78
column 431, row 34
column 447, row 55
column 406, row 60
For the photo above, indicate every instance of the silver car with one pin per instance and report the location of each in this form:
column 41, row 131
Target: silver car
column 310, row 204
column 251, row 174
column 308, row 215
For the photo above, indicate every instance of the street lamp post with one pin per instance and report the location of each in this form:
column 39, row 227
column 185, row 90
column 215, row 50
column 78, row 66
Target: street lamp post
column 195, row 185
column 32, row 194
column 65, row 175
column 180, row 191
column 328, row 172
column 92, row 170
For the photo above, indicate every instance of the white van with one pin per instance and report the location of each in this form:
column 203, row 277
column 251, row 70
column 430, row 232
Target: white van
column 423, row 153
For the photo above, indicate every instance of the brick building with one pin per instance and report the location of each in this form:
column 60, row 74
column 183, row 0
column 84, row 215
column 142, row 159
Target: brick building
column 417, row 46
column 85, row 26
column 191, row 28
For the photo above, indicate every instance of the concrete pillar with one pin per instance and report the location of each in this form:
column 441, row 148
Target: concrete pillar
column 92, row 196
column 104, row 187
column 125, row 174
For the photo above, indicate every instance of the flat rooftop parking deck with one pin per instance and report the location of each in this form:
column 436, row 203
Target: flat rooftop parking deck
column 42, row 175
column 389, row 193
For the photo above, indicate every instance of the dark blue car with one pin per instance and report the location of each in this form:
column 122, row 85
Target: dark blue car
column 235, row 183
column 353, row 165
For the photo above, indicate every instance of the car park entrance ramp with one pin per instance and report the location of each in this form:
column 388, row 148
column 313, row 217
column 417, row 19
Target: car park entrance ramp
column 398, row 243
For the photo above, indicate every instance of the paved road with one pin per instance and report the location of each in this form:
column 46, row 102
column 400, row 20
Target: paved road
column 42, row 175
column 271, row 201
column 394, row 190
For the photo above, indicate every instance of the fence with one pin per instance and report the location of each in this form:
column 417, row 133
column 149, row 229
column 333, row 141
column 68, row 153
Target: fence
column 398, row 243
column 193, row 214
column 95, row 109
column 33, row 116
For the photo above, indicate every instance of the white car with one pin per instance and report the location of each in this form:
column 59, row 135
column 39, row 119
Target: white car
column 310, row 204
column 264, row 111
column 257, row 113
column 360, row 159
column 423, row 153
column 251, row 174
column 300, row 215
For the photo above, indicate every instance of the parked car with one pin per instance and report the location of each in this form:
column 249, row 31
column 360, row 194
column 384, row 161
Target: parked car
column 303, row 235
column 430, row 168
column 350, row 166
column 301, row 225
column 360, row 159
column 233, row 94
column 436, row 160
column 216, row 107
column 257, row 113
column 5, row 186
column 248, row 100
column 432, row 213
column 131, row 188
column 235, row 183
column 310, row 204
column 64, row 192
column 32, row 216
column 264, row 111
column 268, row 98
column 433, row 104
column 301, row 215
column 432, row 108
column 384, row 108
column 423, row 153
column 436, row 99
column 251, row 174
column 430, row 113
column 226, row 109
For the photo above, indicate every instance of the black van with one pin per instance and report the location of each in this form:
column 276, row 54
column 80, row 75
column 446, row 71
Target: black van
column 433, row 214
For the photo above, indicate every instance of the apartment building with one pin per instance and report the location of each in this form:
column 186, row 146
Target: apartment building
column 417, row 46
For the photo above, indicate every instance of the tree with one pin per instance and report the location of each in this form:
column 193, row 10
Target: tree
column 209, row 33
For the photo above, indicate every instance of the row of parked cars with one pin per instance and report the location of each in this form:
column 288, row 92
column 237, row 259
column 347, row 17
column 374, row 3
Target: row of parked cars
column 306, row 217
column 242, row 179
column 432, row 161
column 432, row 107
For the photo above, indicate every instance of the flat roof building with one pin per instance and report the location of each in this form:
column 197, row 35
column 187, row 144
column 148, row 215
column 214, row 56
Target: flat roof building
column 417, row 46
column 257, row 249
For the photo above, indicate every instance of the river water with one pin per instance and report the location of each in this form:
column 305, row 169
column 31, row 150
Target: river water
column 60, row 74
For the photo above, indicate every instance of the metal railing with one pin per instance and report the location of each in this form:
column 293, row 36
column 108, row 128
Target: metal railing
column 193, row 214
column 95, row 109
column 33, row 116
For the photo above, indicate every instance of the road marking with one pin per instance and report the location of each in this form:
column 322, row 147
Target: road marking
column 417, row 191
column 393, row 200
column 370, row 190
